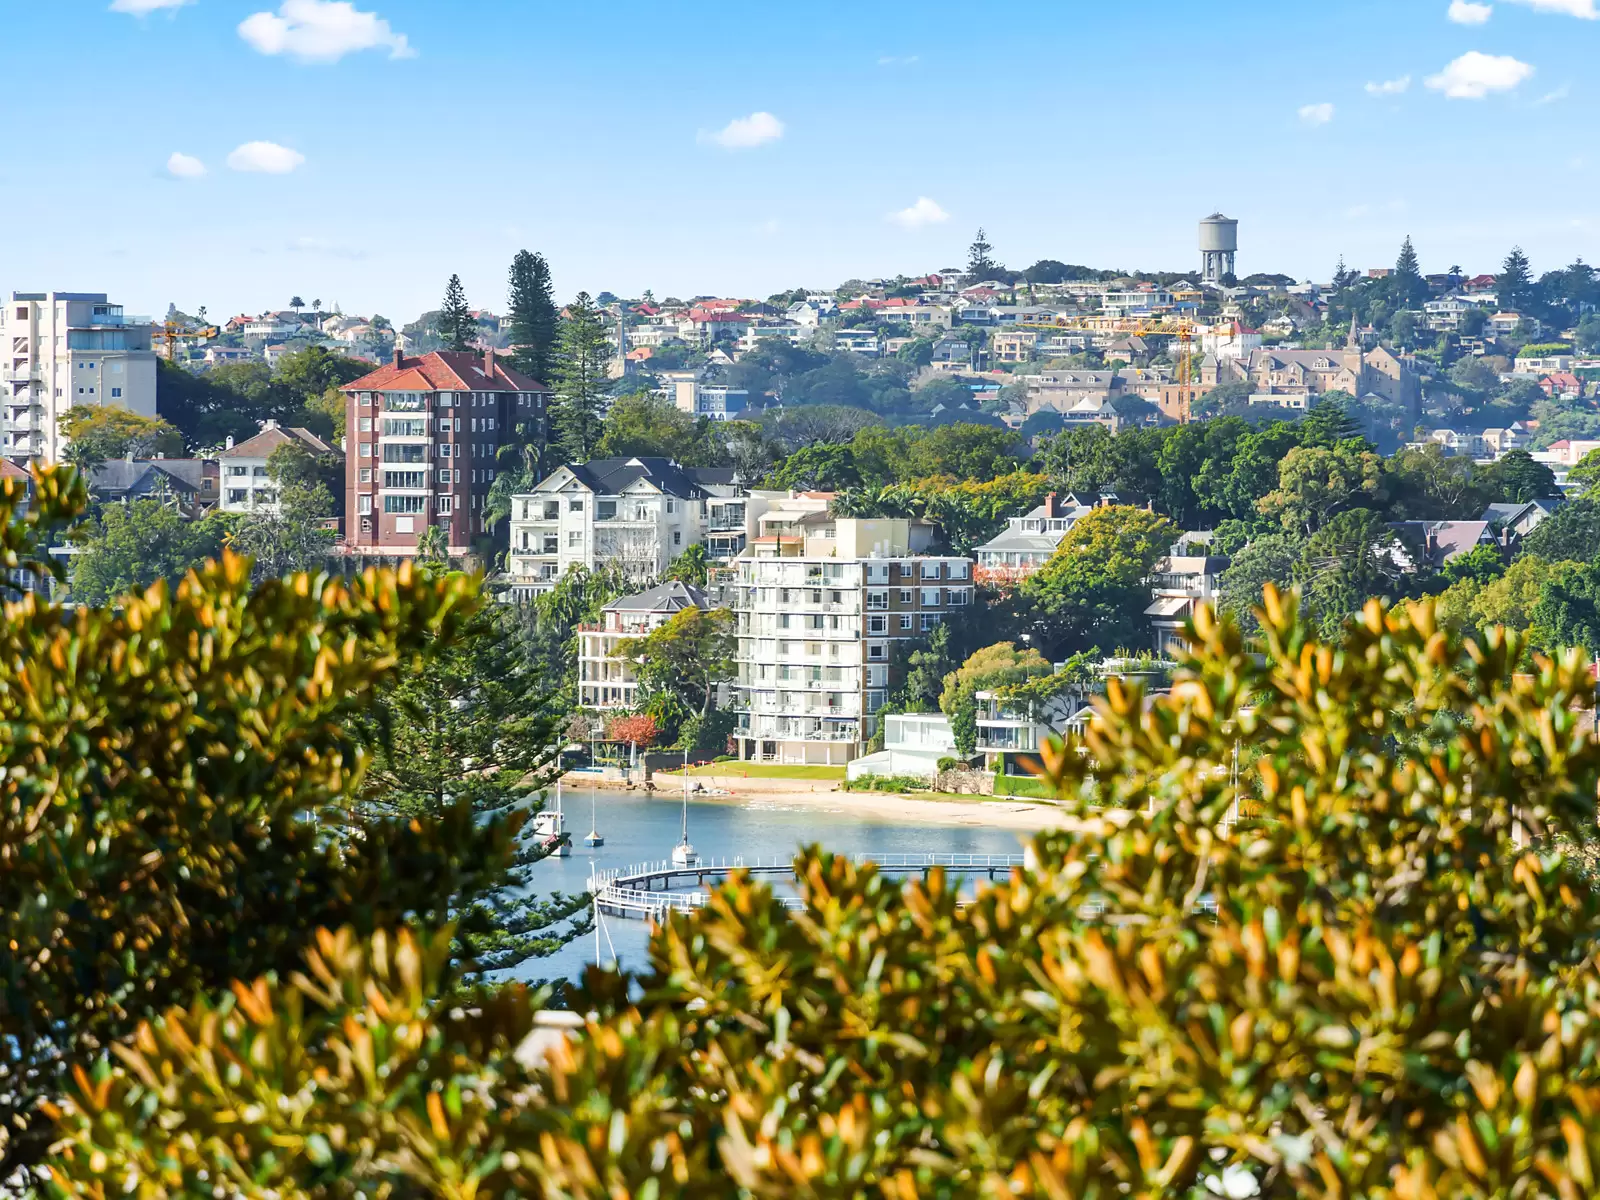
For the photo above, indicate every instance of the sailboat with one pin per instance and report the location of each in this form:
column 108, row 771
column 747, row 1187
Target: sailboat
column 550, row 827
column 683, row 854
column 594, row 840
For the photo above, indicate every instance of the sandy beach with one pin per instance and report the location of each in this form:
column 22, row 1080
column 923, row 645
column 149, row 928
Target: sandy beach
column 826, row 797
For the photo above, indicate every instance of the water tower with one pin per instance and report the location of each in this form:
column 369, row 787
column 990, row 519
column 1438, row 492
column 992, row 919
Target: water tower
column 1219, row 242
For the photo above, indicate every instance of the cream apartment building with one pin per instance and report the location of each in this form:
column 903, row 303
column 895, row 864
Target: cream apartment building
column 818, row 617
column 65, row 350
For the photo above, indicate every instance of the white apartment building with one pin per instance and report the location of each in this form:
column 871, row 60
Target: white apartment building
column 606, row 680
column 246, row 485
column 636, row 513
column 816, row 631
column 713, row 400
column 64, row 350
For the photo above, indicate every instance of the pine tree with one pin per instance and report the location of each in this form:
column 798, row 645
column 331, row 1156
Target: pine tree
column 479, row 725
column 1407, row 285
column 456, row 325
column 980, row 264
column 1515, row 284
column 582, row 360
column 533, row 316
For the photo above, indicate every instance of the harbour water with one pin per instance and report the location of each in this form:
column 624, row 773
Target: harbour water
column 640, row 829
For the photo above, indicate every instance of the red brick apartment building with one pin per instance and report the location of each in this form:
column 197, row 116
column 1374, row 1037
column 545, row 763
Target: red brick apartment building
column 421, row 438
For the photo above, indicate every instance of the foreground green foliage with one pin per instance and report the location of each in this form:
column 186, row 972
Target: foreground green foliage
column 1355, row 967
column 177, row 805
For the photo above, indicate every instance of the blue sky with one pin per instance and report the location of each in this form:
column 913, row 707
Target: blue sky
column 407, row 139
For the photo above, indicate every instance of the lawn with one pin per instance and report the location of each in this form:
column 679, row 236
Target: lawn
column 739, row 770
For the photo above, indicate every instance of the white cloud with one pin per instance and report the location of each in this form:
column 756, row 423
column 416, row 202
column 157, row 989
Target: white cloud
column 1389, row 87
column 1570, row 8
column 746, row 133
column 322, row 31
column 185, row 166
column 1465, row 12
column 1561, row 93
column 920, row 215
column 1316, row 114
column 265, row 158
column 141, row 8
column 1473, row 76
column 890, row 60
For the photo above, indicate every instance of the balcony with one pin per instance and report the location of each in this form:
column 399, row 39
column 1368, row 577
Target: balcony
column 21, row 375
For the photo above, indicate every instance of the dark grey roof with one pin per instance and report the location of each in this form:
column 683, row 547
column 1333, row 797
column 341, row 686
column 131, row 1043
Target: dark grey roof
column 611, row 476
column 673, row 596
column 188, row 472
column 120, row 477
column 712, row 476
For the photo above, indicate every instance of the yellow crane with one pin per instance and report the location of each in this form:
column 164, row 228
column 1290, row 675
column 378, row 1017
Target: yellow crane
column 172, row 333
column 1181, row 329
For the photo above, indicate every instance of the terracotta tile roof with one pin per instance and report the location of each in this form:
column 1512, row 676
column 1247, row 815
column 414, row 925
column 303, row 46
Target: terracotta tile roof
column 268, row 440
column 444, row 371
column 10, row 470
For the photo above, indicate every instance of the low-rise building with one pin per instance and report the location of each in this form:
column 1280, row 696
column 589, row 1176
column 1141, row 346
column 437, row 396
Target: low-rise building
column 246, row 484
column 864, row 342
column 608, row 681
column 188, row 485
column 914, row 744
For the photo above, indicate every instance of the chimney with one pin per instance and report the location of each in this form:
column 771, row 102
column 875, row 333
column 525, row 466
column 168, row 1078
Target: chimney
column 488, row 362
column 399, row 357
column 230, row 442
column 1050, row 508
column 1430, row 543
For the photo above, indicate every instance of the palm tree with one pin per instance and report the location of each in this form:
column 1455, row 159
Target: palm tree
column 297, row 304
column 432, row 548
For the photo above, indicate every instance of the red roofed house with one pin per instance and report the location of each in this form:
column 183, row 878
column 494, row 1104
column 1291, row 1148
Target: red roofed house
column 1562, row 383
column 421, row 439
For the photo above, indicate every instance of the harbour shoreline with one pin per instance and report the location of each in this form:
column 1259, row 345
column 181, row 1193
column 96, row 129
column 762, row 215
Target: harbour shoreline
column 1001, row 812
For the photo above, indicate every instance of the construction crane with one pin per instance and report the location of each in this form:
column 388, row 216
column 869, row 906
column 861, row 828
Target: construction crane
column 172, row 333
column 1180, row 329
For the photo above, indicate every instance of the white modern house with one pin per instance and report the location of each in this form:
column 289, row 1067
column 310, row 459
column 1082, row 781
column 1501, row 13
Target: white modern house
column 65, row 350
column 246, row 484
column 635, row 513
column 606, row 680
column 913, row 745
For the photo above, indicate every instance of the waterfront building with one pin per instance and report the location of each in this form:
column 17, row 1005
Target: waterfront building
column 607, row 681
column 819, row 614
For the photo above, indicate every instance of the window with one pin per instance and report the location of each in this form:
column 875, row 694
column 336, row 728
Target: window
column 443, row 425
column 405, row 479
column 116, row 393
column 878, row 601
column 958, row 598
column 445, row 503
column 365, row 425
column 237, row 495
column 366, row 474
column 259, row 472
column 574, row 505
column 366, row 524
column 930, row 570
column 930, row 597
column 876, row 652
column 605, row 510
column 364, row 504
column 575, row 539
column 552, row 544
column 929, row 621
column 878, row 625
column 552, row 510
column 404, row 427
column 677, row 538
column 670, row 508
column 474, row 424
column 458, row 424
column 444, row 477
column 366, row 450
column 907, row 596
column 405, row 453
column 905, row 622
column 235, row 472
column 404, row 504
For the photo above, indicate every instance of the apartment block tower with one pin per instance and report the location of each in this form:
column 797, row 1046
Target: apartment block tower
column 65, row 350
column 422, row 439
column 818, row 616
